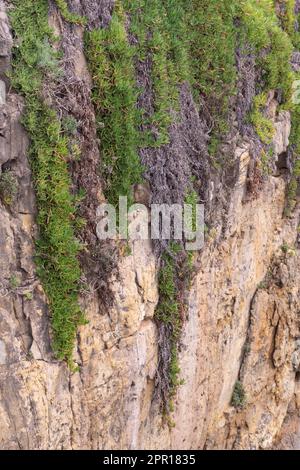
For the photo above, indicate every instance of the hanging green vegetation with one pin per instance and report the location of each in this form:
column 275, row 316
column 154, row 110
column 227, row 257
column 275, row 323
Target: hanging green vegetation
column 67, row 15
column 35, row 62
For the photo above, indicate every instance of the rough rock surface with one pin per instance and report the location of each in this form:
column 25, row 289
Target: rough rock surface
column 243, row 322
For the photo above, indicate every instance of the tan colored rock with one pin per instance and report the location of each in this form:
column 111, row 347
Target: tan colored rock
column 282, row 132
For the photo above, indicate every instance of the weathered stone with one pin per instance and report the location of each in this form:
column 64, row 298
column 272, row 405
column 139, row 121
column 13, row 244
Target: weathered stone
column 2, row 93
column 282, row 132
column 2, row 353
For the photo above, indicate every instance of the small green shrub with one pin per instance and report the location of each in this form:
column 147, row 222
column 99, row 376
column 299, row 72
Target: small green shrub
column 262, row 285
column 28, row 295
column 8, row 187
column 192, row 199
column 15, row 281
column 127, row 250
column 288, row 250
column 264, row 127
column 238, row 399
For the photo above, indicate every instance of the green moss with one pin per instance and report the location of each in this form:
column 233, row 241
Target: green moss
column 239, row 398
column 67, row 15
column 57, row 247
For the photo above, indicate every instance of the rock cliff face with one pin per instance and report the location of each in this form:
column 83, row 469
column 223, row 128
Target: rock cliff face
column 242, row 321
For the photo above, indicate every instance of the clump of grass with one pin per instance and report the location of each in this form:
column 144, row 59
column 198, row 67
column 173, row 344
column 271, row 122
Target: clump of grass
column 67, row 15
column 8, row 187
column 297, row 168
column 15, row 281
column 239, row 398
column 264, row 126
column 57, row 247
column 192, row 199
column 265, row 158
column 291, row 196
column 287, row 249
